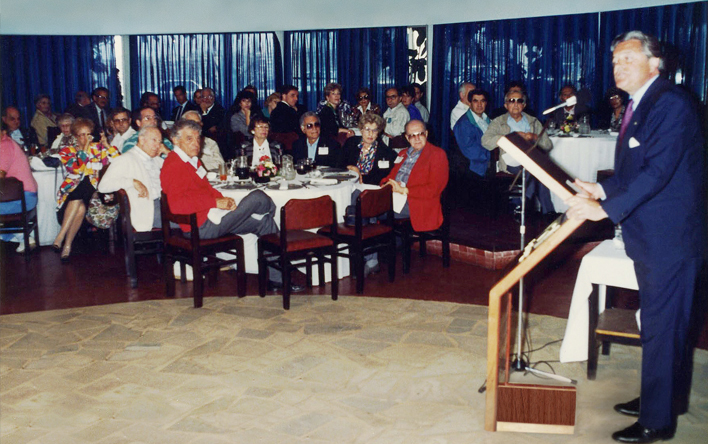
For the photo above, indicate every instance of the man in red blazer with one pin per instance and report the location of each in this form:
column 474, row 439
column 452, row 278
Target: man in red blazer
column 420, row 173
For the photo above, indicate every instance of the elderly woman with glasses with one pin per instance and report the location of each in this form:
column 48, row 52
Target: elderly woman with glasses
column 84, row 162
column 260, row 146
column 367, row 155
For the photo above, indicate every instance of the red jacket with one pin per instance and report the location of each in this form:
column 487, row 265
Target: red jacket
column 425, row 185
column 186, row 192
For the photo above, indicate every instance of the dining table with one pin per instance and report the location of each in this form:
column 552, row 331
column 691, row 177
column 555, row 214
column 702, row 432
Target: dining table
column 324, row 181
column 582, row 157
column 49, row 180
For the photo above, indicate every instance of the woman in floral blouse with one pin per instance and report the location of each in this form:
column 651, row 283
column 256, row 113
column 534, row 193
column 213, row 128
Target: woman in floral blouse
column 367, row 155
column 83, row 163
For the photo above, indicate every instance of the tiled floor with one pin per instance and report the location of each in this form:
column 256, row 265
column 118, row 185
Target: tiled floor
column 358, row 370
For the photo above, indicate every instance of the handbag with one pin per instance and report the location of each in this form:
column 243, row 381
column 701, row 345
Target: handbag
column 102, row 211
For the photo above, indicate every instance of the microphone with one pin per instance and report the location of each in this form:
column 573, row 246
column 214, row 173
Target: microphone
column 570, row 102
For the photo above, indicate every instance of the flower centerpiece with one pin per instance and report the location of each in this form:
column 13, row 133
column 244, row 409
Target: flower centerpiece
column 569, row 125
column 265, row 169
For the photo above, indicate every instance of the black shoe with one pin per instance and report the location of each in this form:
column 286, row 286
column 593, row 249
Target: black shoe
column 637, row 433
column 277, row 286
column 630, row 408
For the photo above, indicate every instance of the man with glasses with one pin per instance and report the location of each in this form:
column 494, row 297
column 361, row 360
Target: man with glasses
column 573, row 112
column 98, row 111
column 396, row 117
column 120, row 123
column 325, row 151
column 212, row 114
column 143, row 118
column 517, row 121
column 420, row 175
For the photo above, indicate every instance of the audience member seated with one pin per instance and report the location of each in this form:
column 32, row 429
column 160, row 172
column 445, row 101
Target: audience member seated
column 255, row 107
column 83, row 161
column 515, row 120
column 367, row 155
column 197, row 99
column 151, row 100
column 13, row 163
column 260, row 146
column 25, row 137
column 462, row 105
column 613, row 110
column 144, row 117
column 408, row 100
column 212, row 114
column 184, row 104
column 270, row 103
column 364, row 103
column 285, row 117
column 80, row 106
column 419, row 93
column 138, row 173
column 43, row 118
column 335, row 114
column 98, row 111
column 65, row 138
column 513, row 86
column 573, row 113
column 420, row 174
column 241, row 113
column 210, row 154
column 396, row 117
column 325, row 152
column 121, row 128
column 469, row 130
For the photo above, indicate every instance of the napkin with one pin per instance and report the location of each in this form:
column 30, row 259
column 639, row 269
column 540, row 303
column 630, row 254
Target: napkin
column 323, row 181
column 212, row 175
column 399, row 201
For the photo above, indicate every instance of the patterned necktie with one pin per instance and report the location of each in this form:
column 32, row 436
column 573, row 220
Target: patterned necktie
column 625, row 120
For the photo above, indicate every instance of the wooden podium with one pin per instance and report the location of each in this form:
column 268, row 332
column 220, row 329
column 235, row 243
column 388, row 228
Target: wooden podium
column 513, row 406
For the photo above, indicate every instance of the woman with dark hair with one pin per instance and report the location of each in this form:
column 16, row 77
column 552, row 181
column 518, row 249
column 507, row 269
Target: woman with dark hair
column 242, row 112
column 367, row 155
column 615, row 100
column 260, row 146
column 43, row 118
column 364, row 103
column 83, row 161
column 335, row 114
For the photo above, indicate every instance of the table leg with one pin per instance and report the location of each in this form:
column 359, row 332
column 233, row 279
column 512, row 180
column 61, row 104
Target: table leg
column 592, row 325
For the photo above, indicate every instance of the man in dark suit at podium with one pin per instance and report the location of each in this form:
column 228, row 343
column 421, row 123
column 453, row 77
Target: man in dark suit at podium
column 657, row 195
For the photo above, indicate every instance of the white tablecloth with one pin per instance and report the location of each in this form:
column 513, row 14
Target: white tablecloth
column 48, row 182
column 582, row 157
column 604, row 265
column 340, row 193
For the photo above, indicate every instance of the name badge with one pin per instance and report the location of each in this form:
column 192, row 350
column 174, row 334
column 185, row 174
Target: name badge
column 383, row 164
column 399, row 159
column 201, row 172
column 323, row 151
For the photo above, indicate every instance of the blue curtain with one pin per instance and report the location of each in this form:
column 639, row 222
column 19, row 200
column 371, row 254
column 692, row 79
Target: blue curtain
column 376, row 58
column 224, row 62
column 58, row 66
column 682, row 31
column 544, row 52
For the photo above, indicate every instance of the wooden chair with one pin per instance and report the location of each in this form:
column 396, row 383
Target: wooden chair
column 408, row 235
column 285, row 139
column 136, row 243
column 295, row 242
column 199, row 253
column 364, row 239
column 12, row 189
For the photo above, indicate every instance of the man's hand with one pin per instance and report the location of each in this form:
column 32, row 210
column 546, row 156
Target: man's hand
column 397, row 188
column 225, row 203
column 589, row 189
column 530, row 137
column 141, row 189
column 585, row 208
column 164, row 150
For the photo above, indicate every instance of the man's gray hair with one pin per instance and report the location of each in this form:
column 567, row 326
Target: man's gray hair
column 144, row 129
column 182, row 125
column 463, row 87
column 191, row 113
column 650, row 44
column 308, row 114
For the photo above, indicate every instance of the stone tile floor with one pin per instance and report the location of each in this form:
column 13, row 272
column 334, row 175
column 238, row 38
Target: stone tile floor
column 359, row 370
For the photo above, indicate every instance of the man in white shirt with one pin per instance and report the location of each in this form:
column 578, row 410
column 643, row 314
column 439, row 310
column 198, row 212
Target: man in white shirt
column 396, row 116
column 463, row 105
column 138, row 173
column 419, row 102
column 122, row 131
column 210, row 154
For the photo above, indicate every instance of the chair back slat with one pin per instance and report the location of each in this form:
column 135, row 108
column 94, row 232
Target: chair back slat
column 11, row 189
column 376, row 202
column 304, row 214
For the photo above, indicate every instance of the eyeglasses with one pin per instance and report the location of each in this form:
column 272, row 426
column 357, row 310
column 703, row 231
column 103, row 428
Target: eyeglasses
column 615, row 97
column 519, row 100
column 100, row 96
column 83, row 134
column 266, row 126
column 370, row 130
column 415, row 135
column 312, row 125
column 149, row 118
column 364, row 97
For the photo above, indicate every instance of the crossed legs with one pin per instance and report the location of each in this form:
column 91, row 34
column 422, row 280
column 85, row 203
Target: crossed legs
column 73, row 218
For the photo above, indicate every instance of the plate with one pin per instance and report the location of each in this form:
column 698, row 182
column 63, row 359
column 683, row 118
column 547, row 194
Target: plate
column 326, row 170
column 291, row 186
column 339, row 177
column 239, row 186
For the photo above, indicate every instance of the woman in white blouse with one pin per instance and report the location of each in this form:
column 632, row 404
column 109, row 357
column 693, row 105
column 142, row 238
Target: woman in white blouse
column 260, row 146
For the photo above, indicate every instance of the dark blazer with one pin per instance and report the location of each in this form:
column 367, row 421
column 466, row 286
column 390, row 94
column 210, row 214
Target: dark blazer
column 285, row 119
column 329, row 122
column 213, row 119
column 350, row 156
column 77, row 110
column 93, row 115
column 276, row 150
column 580, row 110
column 333, row 158
column 188, row 107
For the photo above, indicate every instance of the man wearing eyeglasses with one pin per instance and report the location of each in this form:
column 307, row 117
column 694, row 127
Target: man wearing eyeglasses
column 325, row 151
column 145, row 117
column 98, row 111
column 396, row 117
column 120, row 123
column 517, row 121
column 420, row 175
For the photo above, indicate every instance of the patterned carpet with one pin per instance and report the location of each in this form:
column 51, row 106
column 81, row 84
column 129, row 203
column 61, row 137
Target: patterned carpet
column 358, row 370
